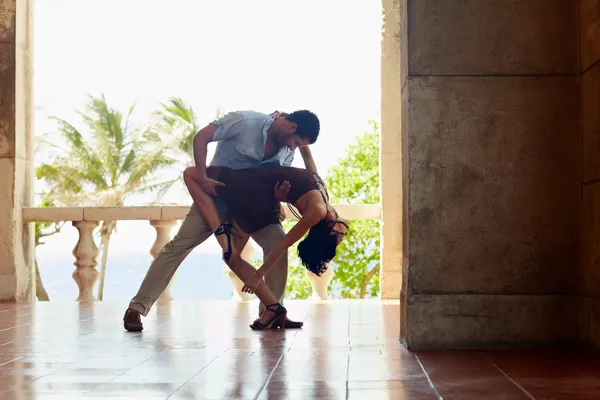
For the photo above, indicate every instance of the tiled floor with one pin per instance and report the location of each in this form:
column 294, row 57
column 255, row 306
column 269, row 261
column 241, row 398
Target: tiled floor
column 348, row 349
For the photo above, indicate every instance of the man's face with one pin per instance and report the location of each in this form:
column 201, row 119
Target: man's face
column 293, row 141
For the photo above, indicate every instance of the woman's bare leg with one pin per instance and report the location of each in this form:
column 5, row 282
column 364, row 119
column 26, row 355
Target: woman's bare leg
column 243, row 269
column 205, row 203
column 208, row 209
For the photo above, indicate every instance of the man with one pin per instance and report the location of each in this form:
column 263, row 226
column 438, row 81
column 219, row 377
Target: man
column 245, row 139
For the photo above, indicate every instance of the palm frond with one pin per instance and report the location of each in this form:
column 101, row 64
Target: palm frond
column 114, row 163
column 61, row 176
column 178, row 118
column 159, row 189
column 79, row 152
column 105, row 124
column 146, row 165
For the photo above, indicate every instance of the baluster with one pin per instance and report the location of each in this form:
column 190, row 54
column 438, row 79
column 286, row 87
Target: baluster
column 85, row 253
column 163, row 236
column 320, row 284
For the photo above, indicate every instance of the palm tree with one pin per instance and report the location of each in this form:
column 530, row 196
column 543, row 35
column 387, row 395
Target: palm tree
column 178, row 120
column 105, row 168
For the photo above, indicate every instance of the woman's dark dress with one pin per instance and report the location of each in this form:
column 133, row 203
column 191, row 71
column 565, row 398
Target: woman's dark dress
column 248, row 192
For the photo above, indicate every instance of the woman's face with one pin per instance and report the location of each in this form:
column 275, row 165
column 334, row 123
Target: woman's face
column 339, row 228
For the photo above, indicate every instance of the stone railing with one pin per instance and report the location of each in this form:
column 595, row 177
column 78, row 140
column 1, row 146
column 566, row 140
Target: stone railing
column 163, row 219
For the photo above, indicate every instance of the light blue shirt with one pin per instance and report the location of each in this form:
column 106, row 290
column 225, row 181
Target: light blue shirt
column 241, row 137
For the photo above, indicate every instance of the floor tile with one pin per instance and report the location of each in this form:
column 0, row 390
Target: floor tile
column 347, row 349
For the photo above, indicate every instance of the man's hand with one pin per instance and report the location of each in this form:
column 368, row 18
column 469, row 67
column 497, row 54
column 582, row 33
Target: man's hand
column 209, row 185
column 252, row 283
column 281, row 191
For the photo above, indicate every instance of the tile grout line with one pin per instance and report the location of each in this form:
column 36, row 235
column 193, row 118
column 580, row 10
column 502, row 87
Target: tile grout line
column 435, row 391
column 592, row 65
column 347, row 377
column 506, row 75
column 128, row 369
column 510, row 379
column 266, row 382
column 393, row 316
column 348, row 356
column 260, row 389
column 91, row 391
column 17, row 358
column 192, row 377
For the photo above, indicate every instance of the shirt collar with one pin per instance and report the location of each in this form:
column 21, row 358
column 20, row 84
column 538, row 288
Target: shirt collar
column 266, row 127
column 283, row 150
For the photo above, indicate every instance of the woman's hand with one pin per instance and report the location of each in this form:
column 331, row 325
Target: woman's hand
column 252, row 283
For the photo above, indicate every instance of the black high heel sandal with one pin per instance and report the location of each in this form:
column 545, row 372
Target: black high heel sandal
column 278, row 320
column 225, row 229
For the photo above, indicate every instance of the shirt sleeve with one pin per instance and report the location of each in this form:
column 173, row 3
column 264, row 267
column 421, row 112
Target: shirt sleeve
column 229, row 126
column 289, row 159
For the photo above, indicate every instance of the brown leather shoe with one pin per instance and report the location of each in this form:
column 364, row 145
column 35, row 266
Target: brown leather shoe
column 289, row 324
column 132, row 321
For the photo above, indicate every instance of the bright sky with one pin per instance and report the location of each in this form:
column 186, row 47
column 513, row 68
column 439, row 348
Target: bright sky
column 263, row 55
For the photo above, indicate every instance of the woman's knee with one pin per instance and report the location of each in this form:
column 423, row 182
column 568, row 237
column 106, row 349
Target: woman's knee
column 189, row 175
column 234, row 262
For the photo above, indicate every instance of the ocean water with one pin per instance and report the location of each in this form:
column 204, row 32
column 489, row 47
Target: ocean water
column 200, row 277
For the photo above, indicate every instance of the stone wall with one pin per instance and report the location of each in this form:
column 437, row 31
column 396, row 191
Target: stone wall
column 490, row 151
column 16, row 149
column 589, row 67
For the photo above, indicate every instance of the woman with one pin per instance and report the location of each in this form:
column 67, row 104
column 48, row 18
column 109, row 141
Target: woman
column 249, row 196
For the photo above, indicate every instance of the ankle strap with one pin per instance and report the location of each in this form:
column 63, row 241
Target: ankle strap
column 274, row 307
column 223, row 229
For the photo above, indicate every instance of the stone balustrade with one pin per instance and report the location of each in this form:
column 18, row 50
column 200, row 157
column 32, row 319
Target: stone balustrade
column 162, row 219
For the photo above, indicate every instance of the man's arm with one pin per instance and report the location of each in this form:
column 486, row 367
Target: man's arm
column 201, row 141
column 226, row 128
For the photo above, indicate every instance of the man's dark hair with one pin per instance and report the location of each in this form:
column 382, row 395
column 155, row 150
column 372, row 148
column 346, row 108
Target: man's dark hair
column 318, row 248
column 308, row 124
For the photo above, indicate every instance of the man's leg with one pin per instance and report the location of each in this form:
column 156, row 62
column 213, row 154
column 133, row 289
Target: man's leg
column 193, row 231
column 276, row 279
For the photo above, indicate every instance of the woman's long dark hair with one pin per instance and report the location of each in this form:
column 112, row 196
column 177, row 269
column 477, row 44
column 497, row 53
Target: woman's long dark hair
column 318, row 248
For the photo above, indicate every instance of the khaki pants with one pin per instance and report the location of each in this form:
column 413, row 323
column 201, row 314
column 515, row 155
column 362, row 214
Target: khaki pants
column 193, row 232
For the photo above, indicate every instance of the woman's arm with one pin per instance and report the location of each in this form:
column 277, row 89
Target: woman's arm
column 315, row 210
column 306, row 222
column 295, row 234
column 309, row 162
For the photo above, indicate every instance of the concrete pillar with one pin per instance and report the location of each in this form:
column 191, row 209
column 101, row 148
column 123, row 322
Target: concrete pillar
column 391, row 150
column 17, row 271
column 589, row 68
column 490, row 159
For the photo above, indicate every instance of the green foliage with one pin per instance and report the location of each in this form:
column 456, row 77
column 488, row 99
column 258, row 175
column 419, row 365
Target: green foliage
column 45, row 229
column 354, row 180
column 104, row 168
column 177, row 120
column 114, row 162
column 298, row 286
